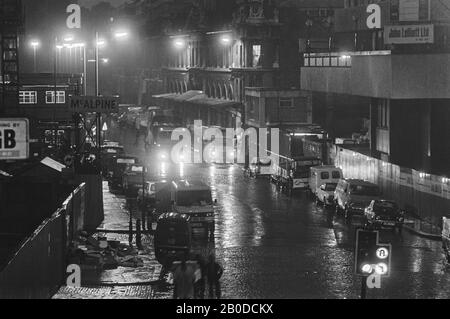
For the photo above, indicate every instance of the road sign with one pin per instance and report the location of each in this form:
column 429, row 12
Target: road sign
column 371, row 256
column 14, row 139
column 94, row 104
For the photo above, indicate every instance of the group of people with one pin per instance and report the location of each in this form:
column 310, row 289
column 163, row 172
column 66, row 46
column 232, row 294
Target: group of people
column 191, row 282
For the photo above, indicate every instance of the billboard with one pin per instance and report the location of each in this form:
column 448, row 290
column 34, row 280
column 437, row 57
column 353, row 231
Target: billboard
column 14, row 139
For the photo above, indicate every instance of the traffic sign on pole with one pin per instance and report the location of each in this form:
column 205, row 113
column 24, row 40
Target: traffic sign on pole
column 371, row 256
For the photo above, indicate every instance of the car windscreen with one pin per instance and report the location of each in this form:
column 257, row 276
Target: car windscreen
column 386, row 208
column 330, row 187
column 364, row 190
column 194, row 198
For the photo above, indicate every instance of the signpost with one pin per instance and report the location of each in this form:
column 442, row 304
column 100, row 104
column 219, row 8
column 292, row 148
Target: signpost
column 372, row 260
column 94, row 104
column 14, row 139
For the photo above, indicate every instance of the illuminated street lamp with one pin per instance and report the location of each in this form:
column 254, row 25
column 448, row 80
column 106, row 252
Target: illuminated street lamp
column 121, row 35
column 35, row 44
column 179, row 43
column 225, row 40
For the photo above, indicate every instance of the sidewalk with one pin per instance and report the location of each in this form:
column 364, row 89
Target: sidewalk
column 123, row 282
column 423, row 229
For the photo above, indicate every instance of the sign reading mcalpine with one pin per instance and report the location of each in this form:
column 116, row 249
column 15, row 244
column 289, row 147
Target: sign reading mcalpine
column 94, row 104
column 14, row 139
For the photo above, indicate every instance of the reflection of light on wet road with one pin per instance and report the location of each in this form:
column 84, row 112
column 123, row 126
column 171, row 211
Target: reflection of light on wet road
column 181, row 170
column 212, row 171
column 163, row 169
column 259, row 232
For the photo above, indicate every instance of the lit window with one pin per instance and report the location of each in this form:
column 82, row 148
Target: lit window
column 60, row 97
column 256, row 56
column 27, row 97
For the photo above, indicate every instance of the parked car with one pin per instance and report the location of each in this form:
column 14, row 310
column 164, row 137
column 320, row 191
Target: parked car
column 352, row 196
column 173, row 238
column 384, row 214
column 325, row 194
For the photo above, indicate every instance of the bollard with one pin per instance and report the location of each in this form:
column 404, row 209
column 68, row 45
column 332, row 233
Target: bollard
column 138, row 235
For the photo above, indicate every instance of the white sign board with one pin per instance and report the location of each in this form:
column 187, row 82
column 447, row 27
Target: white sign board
column 14, row 139
column 94, row 104
column 409, row 34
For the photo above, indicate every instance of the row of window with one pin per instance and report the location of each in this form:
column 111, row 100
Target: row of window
column 30, row 97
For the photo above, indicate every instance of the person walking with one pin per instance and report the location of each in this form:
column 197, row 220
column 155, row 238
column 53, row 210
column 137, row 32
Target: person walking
column 184, row 282
column 214, row 272
column 200, row 278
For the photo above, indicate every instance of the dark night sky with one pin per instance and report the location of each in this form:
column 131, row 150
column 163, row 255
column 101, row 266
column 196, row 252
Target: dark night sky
column 90, row 3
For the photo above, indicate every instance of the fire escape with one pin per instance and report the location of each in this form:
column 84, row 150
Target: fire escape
column 10, row 26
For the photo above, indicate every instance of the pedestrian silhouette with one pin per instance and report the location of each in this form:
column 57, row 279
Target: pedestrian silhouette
column 214, row 272
column 200, row 283
column 184, row 281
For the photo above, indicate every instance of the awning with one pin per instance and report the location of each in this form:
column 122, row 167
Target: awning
column 165, row 96
column 179, row 97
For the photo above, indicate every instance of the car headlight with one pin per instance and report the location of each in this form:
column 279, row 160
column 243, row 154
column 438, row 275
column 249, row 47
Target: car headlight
column 163, row 156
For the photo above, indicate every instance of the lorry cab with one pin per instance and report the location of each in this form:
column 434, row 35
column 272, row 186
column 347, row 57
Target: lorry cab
column 321, row 175
column 301, row 170
column 173, row 238
column 195, row 200
column 261, row 166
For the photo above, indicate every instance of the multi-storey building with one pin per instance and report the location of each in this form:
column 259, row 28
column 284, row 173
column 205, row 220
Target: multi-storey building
column 242, row 67
column 389, row 64
column 10, row 26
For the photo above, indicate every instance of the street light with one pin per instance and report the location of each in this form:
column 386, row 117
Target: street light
column 121, row 35
column 225, row 40
column 179, row 43
column 35, row 44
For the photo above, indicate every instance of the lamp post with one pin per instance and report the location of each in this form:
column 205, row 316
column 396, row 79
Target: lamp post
column 355, row 20
column 34, row 44
column 309, row 24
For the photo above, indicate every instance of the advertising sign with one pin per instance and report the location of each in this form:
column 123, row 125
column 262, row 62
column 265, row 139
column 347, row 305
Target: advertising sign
column 14, row 139
column 94, row 104
column 409, row 34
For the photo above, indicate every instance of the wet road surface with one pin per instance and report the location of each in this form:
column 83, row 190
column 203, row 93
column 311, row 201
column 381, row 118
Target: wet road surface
column 275, row 246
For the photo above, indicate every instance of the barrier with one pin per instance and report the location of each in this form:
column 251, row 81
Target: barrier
column 425, row 196
column 37, row 268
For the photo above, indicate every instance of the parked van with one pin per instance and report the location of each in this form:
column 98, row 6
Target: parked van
column 353, row 196
column 321, row 175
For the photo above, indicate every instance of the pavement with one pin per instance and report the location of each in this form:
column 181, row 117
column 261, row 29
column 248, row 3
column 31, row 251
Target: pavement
column 123, row 282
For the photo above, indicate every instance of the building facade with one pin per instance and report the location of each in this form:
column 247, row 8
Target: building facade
column 251, row 56
column 389, row 64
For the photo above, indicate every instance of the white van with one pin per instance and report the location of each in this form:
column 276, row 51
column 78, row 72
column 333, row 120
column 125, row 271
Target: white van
column 321, row 175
